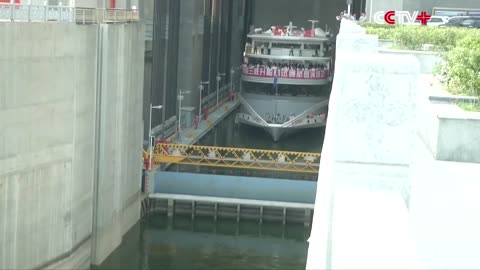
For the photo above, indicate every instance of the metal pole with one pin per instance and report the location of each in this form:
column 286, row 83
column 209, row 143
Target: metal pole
column 218, row 86
column 150, row 140
column 200, row 104
column 232, row 72
column 12, row 8
column 180, row 113
column 348, row 10
column 219, row 78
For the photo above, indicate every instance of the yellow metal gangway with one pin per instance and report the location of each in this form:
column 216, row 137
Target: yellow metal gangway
column 239, row 158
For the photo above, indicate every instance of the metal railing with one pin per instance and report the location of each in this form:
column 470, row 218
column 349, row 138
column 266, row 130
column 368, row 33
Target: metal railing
column 252, row 112
column 223, row 92
column 65, row 14
column 300, row 117
column 240, row 158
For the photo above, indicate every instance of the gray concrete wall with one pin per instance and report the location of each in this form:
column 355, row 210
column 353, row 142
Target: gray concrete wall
column 48, row 96
column 458, row 138
column 121, row 136
column 279, row 12
column 428, row 60
column 450, row 133
column 190, row 50
column 237, row 33
column 366, row 160
column 47, row 111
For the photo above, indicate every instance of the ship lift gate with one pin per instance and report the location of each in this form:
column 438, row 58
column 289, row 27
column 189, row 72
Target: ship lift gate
column 239, row 158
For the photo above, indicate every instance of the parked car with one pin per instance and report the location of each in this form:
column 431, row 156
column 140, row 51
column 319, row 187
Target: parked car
column 437, row 20
column 464, row 21
column 434, row 21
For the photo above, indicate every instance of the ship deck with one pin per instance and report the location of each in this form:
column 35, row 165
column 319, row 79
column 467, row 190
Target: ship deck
column 291, row 81
column 286, row 57
column 288, row 39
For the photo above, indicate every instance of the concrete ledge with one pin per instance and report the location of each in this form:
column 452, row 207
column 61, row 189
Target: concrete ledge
column 452, row 99
column 427, row 59
column 450, row 133
column 384, row 44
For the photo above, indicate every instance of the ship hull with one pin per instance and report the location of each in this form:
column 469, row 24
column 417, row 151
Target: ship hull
column 277, row 132
column 256, row 107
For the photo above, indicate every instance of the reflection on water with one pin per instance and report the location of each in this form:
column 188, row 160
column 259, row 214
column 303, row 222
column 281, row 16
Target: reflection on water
column 229, row 134
column 160, row 243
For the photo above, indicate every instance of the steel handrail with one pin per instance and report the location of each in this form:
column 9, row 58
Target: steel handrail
column 304, row 114
column 252, row 112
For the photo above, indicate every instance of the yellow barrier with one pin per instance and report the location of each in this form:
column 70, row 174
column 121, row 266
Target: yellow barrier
column 241, row 158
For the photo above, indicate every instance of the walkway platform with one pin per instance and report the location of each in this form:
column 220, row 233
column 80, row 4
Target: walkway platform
column 192, row 135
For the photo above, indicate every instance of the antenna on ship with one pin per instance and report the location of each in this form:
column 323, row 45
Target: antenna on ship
column 313, row 26
column 290, row 28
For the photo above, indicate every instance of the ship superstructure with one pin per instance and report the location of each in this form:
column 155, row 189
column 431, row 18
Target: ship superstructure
column 285, row 78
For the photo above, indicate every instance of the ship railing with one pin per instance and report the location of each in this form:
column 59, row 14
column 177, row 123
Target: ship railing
column 304, row 74
column 252, row 112
column 293, row 122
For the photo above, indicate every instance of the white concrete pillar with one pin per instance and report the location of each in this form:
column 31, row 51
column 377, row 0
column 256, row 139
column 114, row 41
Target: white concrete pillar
column 365, row 162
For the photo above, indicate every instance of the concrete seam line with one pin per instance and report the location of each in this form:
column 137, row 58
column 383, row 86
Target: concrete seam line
column 64, row 255
column 374, row 163
column 132, row 199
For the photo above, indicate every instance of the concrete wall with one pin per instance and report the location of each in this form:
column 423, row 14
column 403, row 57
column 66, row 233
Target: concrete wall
column 191, row 48
column 48, row 97
column 238, row 187
column 47, row 113
column 279, row 12
column 121, row 136
column 427, row 60
column 449, row 133
column 458, row 138
column 360, row 213
column 237, row 33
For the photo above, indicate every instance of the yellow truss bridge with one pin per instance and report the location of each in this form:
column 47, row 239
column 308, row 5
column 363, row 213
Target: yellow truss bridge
column 240, row 158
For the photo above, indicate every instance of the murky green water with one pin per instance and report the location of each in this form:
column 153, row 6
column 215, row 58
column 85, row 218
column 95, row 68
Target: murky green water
column 157, row 243
column 229, row 134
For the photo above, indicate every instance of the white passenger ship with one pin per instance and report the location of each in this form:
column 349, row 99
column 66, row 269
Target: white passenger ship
column 285, row 79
